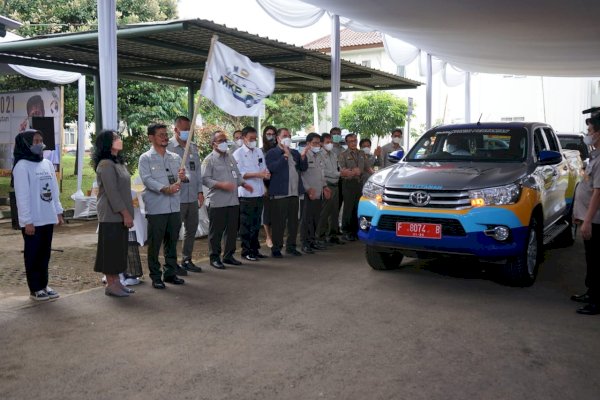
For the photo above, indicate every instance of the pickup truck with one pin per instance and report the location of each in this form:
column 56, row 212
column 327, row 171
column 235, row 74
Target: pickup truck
column 504, row 194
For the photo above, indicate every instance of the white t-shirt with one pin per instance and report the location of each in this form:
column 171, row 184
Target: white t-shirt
column 36, row 192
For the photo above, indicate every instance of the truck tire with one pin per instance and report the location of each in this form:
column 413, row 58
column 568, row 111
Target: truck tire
column 381, row 260
column 522, row 269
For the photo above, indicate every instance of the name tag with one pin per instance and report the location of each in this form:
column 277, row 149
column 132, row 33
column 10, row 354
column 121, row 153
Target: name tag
column 192, row 166
column 233, row 174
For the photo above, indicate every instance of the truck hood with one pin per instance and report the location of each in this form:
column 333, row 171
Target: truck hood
column 453, row 176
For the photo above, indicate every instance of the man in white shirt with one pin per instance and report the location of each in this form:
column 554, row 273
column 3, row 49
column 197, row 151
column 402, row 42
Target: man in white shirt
column 251, row 163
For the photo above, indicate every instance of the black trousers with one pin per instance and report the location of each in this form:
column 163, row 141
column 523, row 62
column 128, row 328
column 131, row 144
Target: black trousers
column 36, row 253
column 329, row 220
column 311, row 210
column 592, row 260
column 250, row 217
column 163, row 229
column 352, row 191
column 223, row 225
column 284, row 212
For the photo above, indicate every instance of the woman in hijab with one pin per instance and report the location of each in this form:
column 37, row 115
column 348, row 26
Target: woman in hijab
column 39, row 209
column 115, row 211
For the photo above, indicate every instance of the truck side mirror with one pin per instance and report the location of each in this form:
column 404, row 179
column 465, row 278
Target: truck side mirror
column 549, row 157
column 397, row 155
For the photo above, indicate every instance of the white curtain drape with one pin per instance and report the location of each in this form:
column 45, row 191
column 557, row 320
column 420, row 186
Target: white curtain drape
column 292, row 12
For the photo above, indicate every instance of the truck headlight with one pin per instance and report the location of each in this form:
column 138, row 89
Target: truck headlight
column 373, row 191
column 496, row 196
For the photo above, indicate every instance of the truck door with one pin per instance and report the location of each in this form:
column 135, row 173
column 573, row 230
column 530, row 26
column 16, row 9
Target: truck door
column 545, row 174
column 560, row 178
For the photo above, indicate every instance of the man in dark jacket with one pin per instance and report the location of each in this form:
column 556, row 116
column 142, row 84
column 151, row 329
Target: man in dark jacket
column 285, row 187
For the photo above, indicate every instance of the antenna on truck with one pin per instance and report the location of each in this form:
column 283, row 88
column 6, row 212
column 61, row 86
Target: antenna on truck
column 479, row 120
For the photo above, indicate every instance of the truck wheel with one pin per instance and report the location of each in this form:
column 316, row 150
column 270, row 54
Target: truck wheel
column 382, row 260
column 522, row 269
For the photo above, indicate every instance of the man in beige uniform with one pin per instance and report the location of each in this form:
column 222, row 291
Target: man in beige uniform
column 327, row 229
column 353, row 164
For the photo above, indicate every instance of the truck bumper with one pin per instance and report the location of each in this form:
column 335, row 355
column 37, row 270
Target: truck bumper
column 473, row 241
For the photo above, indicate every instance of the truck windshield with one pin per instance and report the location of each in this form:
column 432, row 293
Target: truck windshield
column 477, row 144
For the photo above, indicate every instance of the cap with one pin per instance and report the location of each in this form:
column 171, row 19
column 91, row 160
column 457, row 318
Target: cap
column 592, row 110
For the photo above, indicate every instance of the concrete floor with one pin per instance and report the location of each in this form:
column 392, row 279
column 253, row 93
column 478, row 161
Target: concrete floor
column 320, row 326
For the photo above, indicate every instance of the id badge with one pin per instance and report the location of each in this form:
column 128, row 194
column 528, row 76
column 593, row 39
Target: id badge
column 233, row 174
column 192, row 166
column 172, row 179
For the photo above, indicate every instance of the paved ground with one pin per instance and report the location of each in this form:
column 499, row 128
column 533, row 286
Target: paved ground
column 322, row 326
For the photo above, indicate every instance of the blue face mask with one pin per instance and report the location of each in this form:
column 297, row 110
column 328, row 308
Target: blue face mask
column 37, row 149
column 184, row 135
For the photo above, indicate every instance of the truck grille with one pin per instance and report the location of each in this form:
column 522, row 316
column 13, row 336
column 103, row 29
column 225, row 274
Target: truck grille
column 450, row 227
column 449, row 199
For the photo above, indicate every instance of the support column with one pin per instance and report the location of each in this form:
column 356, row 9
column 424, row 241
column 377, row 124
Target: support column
column 335, row 70
column 107, row 51
column 467, row 97
column 191, row 96
column 97, row 104
column 429, row 93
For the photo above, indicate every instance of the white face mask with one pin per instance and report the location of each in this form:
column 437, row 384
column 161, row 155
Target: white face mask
column 315, row 149
column 287, row 142
column 367, row 150
column 328, row 146
column 222, row 147
column 270, row 137
column 252, row 145
column 588, row 139
column 239, row 142
column 397, row 140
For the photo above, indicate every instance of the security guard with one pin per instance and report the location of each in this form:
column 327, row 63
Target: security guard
column 315, row 186
column 353, row 164
column 221, row 176
column 190, row 192
column 159, row 170
column 327, row 229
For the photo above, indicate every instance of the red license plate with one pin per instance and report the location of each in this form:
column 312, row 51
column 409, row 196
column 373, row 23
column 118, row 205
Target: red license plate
column 419, row 230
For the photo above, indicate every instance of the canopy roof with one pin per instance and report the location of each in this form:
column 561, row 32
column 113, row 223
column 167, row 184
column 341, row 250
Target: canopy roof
column 175, row 52
column 536, row 37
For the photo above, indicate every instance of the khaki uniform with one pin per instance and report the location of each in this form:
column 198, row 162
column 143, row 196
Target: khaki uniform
column 352, row 188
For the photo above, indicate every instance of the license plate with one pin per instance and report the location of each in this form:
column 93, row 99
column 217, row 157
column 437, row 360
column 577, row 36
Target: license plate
column 419, row 230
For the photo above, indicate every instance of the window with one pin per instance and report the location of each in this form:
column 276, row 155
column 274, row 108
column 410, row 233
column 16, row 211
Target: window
column 551, row 138
column 401, row 70
column 366, row 63
column 70, row 136
column 512, row 119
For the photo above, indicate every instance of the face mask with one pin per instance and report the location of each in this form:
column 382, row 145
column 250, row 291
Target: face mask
column 287, row 142
column 588, row 139
column 315, row 149
column 37, row 149
column 328, row 146
column 184, row 135
column 252, row 145
column 270, row 138
column 239, row 142
column 367, row 150
column 222, row 147
column 397, row 140
column 337, row 138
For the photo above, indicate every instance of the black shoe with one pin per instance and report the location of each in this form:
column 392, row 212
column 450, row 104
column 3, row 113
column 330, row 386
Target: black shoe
column 589, row 309
column 231, row 261
column 317, row 246
column 307, row 250
column 335, row 240
column 158, row 284
column 217, row 264
column 179, row 270
column 174, row 280
column 188, row 265
column 250, row 257
column 276, row 254
column 349, row 237
column 259, row 255
column 581, row 298
column 293, row 252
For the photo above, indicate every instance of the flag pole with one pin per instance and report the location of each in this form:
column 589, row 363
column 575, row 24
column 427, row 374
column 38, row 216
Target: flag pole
column 196, row 108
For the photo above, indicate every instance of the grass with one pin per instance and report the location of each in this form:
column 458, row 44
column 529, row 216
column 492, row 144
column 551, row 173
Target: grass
column 69, row 181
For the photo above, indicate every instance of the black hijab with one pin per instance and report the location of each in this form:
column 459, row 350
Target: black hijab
column 22, row 150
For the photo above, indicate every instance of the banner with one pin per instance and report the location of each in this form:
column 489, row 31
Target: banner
column 234, row 83
column 21, row 110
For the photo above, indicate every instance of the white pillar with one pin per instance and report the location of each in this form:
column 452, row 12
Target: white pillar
column 315, row 113
column 335, row 70
column 429, row 93
column 107, row 48
column 80, row 134
column 467, row 97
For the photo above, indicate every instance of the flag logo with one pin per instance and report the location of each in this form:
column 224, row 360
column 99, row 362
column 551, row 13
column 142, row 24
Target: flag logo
column 234, row 83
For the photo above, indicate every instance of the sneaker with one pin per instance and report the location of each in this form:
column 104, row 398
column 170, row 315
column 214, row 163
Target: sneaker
column 53, row 294
column 131, row 281
column 40, row 295
column 250, row 257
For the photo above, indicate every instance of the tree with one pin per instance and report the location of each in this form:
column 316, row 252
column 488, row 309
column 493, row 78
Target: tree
column 374, row 114
column 293, row 111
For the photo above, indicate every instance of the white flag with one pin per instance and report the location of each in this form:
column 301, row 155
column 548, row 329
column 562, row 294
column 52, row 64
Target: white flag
column 234, row 83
